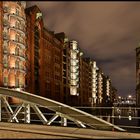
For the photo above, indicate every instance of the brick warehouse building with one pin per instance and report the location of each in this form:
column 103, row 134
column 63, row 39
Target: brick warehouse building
column 41, row 62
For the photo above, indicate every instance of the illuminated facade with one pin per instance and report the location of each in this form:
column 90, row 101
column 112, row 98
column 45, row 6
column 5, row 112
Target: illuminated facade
column 13, row 44
column 94, row 69
column 74, row 68
column 99, row 86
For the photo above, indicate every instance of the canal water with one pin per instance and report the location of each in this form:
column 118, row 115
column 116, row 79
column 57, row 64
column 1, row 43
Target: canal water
column 127, row 118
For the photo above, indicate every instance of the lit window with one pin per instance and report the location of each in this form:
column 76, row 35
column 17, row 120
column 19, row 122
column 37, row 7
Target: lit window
column 73, row 90
column 5, row 80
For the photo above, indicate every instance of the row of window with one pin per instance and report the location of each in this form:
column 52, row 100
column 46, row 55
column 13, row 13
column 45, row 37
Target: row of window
column 18, row 82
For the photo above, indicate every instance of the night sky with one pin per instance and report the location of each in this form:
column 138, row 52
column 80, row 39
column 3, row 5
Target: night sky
column 108, row 32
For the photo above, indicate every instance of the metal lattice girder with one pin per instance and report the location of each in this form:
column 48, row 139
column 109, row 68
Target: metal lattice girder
column 8, row 108
column 40, row 114
column 27, row 113
column 15, row 113
column 76, row 114
column 78, row 123
column 52, row 119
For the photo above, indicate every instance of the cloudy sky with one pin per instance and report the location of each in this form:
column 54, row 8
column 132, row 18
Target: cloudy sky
column 108, row 32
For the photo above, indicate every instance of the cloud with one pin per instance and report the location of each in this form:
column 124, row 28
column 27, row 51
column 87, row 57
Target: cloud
column 108, row 32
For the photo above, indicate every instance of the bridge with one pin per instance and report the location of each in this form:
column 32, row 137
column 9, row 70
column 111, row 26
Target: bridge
column 48, row 111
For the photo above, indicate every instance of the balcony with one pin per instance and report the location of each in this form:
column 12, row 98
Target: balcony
column 73, row 69
column 19, row 68
column 73, row 64
column 18, row 29
column 23, row 70
column 5, row 51
column 73, row 82
column 74, row 77
column 20, row 56
column 17, row 16
column 18, row 42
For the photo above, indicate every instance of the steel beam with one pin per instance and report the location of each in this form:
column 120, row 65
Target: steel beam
column 39, row 114
column 8, row 108
column 63, row 121
column 52, row 119
column 15, row 113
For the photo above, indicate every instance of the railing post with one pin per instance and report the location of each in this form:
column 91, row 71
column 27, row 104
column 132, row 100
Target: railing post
column 27, row 112
column 113, row 113
column 63, row 121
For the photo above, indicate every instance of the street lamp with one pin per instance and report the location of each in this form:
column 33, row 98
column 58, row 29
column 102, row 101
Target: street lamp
column 119, row 97
column 129, row 96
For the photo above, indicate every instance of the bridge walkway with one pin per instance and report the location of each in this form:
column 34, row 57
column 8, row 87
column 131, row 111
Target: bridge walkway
column 17, row 130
